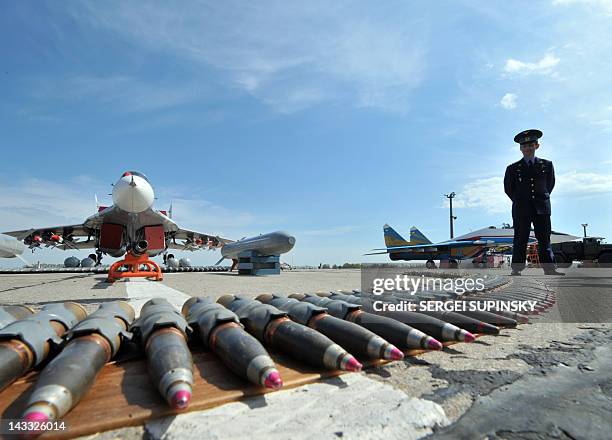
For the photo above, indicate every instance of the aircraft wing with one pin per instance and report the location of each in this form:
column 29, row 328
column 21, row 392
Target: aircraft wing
column 434, row 247
column 71, row 230
column 72, row 236
column 184, row 239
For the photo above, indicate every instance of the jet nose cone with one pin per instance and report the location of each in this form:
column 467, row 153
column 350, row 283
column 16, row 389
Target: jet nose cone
column 133, row 194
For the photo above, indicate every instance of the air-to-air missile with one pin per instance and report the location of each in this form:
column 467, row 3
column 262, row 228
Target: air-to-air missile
column 12, row 313
column 10, row 247
column 220, row 330
column 90, row 345
column 356, row 339
column 162, row 331
column 26, row 343
column 273, row 328
column 442, row 331
column 399, row 334
column 274, row 243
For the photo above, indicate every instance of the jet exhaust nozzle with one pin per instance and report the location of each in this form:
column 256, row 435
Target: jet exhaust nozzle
column 140, row 247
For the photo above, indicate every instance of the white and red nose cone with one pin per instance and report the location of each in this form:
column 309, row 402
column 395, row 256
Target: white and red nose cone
column 133, row 193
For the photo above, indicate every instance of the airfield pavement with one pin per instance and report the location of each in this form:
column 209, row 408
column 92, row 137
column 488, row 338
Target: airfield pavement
column 545, row 379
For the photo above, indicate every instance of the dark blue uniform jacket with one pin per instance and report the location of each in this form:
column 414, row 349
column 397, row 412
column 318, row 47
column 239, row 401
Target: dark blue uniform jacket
column 530, row 188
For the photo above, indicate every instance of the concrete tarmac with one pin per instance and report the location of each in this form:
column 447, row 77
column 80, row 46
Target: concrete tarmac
column 464, row 386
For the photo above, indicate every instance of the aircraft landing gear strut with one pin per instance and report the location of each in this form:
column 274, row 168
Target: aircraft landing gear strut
column 133, row 263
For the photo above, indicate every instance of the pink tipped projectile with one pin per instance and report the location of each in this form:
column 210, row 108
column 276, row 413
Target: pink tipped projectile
column 181, row 399
column 393, row 353
column 36, row 416
column 434, row 344
column 467, row 336
column 273, row 380
column 349, row 363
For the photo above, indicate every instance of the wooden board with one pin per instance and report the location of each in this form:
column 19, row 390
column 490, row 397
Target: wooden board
column 123, row 395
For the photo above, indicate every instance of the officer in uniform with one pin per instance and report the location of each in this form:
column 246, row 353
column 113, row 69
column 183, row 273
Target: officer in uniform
column 529, row 183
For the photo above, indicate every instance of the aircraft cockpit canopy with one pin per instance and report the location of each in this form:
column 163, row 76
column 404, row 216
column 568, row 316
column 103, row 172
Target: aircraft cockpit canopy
column 135, row 173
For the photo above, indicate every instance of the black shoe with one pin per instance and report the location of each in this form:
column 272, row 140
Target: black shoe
column 515, row 273
column 554, row 272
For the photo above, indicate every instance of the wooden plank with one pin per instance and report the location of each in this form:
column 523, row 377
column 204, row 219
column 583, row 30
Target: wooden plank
column 123, row 395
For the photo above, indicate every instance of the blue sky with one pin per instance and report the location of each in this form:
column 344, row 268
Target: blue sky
column 323, row 119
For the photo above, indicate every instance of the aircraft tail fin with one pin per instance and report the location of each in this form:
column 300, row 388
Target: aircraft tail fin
column 97, row 204
column 170, row 211
column 392, row 238
column 417, row 237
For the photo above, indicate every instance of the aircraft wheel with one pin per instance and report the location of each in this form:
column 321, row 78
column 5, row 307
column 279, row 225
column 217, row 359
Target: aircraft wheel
column 453, row 264
column 430, row 264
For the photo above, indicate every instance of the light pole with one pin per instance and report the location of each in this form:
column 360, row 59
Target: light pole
column 584, row 226
column 450, row 198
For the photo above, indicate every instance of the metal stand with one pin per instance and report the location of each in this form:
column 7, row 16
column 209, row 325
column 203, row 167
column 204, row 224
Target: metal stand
column 251, row 263
column 133, row 263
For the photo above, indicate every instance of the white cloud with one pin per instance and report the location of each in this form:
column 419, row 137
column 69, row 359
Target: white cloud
column 488, row 194
column 123, row 93
column 544, row 66
column 576, row 183
column 508, row 101
column 42, row 203
column 289, row 55
column 606, row 5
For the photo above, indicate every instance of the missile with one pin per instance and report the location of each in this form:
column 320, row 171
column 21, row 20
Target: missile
column 68, row 377
column 26, row 343
column 220, row 330
column 12, row 313
column 161, row 331
column 356, row 339
column 10, row 247
column 442, row 331
column 272, row 327
column 274, row 243
column 399, row 334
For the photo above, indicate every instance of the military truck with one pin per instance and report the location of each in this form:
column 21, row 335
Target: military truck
column 589, row 249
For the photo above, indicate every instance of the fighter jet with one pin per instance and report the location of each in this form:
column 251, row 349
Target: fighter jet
column 130, row 224
column 469, row 245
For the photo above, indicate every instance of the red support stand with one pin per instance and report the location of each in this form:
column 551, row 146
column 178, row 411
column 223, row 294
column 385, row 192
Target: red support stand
column 133, row 263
